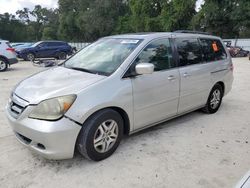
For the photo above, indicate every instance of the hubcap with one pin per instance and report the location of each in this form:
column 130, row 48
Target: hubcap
column 2, row 65
column 62, row 56
column 106, row 136
column 30, row 57
column 216, row 97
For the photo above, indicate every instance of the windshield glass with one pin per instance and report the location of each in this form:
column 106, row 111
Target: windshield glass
column 37, row 43
column 103, row 56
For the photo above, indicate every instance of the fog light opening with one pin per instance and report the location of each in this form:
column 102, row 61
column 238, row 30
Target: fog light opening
column 41, row 146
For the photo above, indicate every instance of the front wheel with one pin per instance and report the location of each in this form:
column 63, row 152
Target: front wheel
column 62, row 56
column 214, row 100
column 30, row 57
column 100, row 135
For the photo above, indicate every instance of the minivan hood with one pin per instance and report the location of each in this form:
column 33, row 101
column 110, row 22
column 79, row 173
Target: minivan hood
column 54, row 82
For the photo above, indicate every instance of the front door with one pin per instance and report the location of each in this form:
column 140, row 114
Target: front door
column 156, row 95
column 42, row 50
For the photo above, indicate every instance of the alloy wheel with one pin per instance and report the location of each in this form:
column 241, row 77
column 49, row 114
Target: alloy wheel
column 216, row 98
column 3, row 65
column 106, row 136
column 30, row 57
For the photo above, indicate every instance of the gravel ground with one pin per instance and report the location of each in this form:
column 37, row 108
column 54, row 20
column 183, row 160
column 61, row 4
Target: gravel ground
column 195, row 150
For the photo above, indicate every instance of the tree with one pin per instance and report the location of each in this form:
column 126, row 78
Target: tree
column 177, row 14
column 225, row 18
column 157, row 15
column 11, row 28
column 241, row 18
column 88, row 20
column 24, row 15
column 40, row 23
column 50, row 25
column 145, row 15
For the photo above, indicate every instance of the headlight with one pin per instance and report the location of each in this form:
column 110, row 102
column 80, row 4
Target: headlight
column 53, row 109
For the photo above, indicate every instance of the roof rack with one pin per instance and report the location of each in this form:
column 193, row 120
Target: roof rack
column 192, row 32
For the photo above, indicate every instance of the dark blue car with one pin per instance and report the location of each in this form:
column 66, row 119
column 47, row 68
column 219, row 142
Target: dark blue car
column 45, row 49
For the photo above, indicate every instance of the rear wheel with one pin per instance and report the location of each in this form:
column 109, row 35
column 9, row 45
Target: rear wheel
column 3, row 64
column 214, row 100
column 100, row 135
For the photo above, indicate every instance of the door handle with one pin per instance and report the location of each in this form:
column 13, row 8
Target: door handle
column 186, row 75
column 171, row 77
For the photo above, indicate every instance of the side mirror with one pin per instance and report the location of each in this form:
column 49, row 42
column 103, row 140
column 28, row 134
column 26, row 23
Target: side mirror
column 144, row 68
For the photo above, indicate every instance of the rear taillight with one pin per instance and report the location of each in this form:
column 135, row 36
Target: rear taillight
column 231, row 67
column 10, row 49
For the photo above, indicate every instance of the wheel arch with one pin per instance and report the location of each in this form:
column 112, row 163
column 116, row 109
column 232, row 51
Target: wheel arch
column 30, row 52
column 123, row 114
column 5, row 58
column 222, row 85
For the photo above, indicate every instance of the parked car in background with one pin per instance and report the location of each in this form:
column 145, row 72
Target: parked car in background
column 14, row 45
column 7, row 55
column 22, row 46
column 46, row 49
column 237, row 51
column 117, row 86
column 241, row 52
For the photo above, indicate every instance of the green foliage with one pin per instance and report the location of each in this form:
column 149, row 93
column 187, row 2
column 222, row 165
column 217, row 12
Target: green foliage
column 88, row 20
column 158, row 15
column 177, row 14
column 225, row 18
column 11, row 28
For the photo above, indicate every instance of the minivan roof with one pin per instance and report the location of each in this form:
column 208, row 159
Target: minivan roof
column 151, row 35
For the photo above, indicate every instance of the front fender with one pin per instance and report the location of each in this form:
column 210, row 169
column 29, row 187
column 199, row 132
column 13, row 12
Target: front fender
column 103, row 95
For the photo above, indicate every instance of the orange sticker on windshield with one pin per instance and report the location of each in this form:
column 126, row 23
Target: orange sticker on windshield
column 215, row 47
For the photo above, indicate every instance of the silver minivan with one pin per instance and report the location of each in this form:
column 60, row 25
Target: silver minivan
column 117, row 86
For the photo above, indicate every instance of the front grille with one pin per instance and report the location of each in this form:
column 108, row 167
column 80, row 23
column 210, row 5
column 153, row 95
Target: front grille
column 16, row 106
column 16, row 109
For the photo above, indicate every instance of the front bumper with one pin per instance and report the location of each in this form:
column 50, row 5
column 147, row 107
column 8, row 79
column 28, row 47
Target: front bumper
column 51, row 139
column 20, row 55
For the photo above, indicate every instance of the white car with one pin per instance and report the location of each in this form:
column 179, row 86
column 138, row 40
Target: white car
column 117, row 86
column 7, row 55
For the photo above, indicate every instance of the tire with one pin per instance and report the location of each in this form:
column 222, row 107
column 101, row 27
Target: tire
column 30, row 57
column 214, row 100
column 94, row 142
column 62, row 56
column 3, row 64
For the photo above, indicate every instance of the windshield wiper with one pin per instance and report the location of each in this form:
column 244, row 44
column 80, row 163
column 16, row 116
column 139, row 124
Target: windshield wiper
column 82, row 69
column 88, row 71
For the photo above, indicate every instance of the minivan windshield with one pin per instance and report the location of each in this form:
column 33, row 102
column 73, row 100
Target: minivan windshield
column 102, row 57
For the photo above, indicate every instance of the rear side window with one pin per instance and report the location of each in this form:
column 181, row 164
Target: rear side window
column 189, row 51
column 43, row 44
column 50, row 44
column 60, row 44
column 213, row 50
column 55, row 44
column 8, row 44
column 159, row 53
